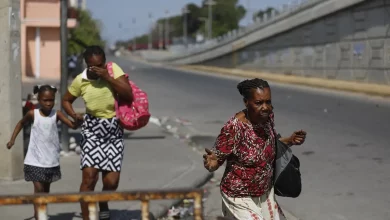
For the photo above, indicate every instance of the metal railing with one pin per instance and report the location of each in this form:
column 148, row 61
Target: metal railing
column 92, row 198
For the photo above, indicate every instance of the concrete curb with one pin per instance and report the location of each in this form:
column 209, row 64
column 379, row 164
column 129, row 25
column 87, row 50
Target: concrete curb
column 356, row 87
column 200, row 182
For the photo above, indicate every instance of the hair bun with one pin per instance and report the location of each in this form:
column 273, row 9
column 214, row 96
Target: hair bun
column 240, row 87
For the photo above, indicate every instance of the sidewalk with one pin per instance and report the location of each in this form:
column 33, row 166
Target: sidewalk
column 153, row 160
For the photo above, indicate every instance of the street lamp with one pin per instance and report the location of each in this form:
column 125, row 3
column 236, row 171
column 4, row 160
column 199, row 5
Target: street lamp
column 150, row 32
column 210, row 3
column 64, row 67
column 248, row 5
column 185, row 11
column 135, row 35
column 205, row 20
column 166, row 29
column 160, row 35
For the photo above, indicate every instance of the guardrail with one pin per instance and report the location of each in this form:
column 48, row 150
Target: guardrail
column 92, row 198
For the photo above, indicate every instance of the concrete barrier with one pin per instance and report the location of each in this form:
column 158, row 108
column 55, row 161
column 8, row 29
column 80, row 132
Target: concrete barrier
column 357, row 87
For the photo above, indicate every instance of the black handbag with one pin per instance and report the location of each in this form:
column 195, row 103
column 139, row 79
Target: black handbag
column 287, row 177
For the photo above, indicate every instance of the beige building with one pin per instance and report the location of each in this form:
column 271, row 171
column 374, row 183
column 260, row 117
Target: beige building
column 40, row 37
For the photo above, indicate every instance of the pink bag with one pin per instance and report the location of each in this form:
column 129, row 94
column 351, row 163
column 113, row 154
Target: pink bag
column 135, row 115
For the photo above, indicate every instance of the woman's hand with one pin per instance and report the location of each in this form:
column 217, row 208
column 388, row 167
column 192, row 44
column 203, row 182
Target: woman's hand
column 78, row 119
column 101, row 72
column 10, row 144
column 210, row 161
column 298, row 137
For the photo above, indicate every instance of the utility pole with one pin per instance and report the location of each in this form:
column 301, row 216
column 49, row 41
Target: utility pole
column 64, row 67
column 206, row 30
column 210, row 3
column 135, row 35
column 250, row 17
column 150, row 32
column 160, row 35
column 185, row 28
column 166, row 29
column 11, row 161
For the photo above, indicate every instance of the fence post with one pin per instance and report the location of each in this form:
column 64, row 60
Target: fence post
column 42, row 211
column 145, row 209
column 198, row 207
column 92, row 208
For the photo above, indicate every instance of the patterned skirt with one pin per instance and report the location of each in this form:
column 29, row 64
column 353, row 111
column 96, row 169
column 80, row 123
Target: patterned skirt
column 101, row 144
column 264, row 207
column 42, row 174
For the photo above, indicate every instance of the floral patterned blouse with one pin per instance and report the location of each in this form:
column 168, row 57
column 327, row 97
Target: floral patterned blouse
column 250, row 153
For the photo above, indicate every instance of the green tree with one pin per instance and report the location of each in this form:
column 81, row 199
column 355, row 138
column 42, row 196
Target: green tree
column 193, row 21
column 86, row 33
column 175, row 24
column 260, row 14
column 227, row 15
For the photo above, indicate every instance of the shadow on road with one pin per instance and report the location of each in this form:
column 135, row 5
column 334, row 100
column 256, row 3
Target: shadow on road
column 115, row 214
column 145, row 137
column 127, row 136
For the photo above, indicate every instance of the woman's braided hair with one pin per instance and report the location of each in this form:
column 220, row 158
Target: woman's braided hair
column 246, row 86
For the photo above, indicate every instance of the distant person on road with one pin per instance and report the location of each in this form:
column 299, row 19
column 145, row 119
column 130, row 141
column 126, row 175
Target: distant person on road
column 102, row 136
column 247, row 144
column 72, row 65
column 42, row 161
column 30, row 104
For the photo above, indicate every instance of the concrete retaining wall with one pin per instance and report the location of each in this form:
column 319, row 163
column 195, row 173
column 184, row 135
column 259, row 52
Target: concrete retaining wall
column 306, row 12
column 336, row 39
column 351, row 44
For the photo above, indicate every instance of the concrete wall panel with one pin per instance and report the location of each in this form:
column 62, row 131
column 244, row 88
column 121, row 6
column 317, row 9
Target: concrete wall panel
column 345, row 40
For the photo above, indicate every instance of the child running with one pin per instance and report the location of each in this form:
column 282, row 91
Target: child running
column 42, row 161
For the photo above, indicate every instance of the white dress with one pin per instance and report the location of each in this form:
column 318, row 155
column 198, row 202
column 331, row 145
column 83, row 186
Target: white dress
column 42, row 162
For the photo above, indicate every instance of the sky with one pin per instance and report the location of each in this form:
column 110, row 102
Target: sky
column 117, row 15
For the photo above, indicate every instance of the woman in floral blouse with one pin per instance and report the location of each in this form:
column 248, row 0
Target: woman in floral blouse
column 247, row 143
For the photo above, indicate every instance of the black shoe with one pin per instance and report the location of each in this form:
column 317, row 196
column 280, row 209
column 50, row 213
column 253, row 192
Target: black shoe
column 104, row 215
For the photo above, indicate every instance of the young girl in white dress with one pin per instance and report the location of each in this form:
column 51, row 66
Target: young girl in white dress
column 42, row 161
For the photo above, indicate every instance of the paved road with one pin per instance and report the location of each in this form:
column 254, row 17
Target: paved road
column 152, row 160
column 345, row 161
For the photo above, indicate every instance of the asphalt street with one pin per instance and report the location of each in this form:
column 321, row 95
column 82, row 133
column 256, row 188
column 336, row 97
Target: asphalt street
column 344, row 162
